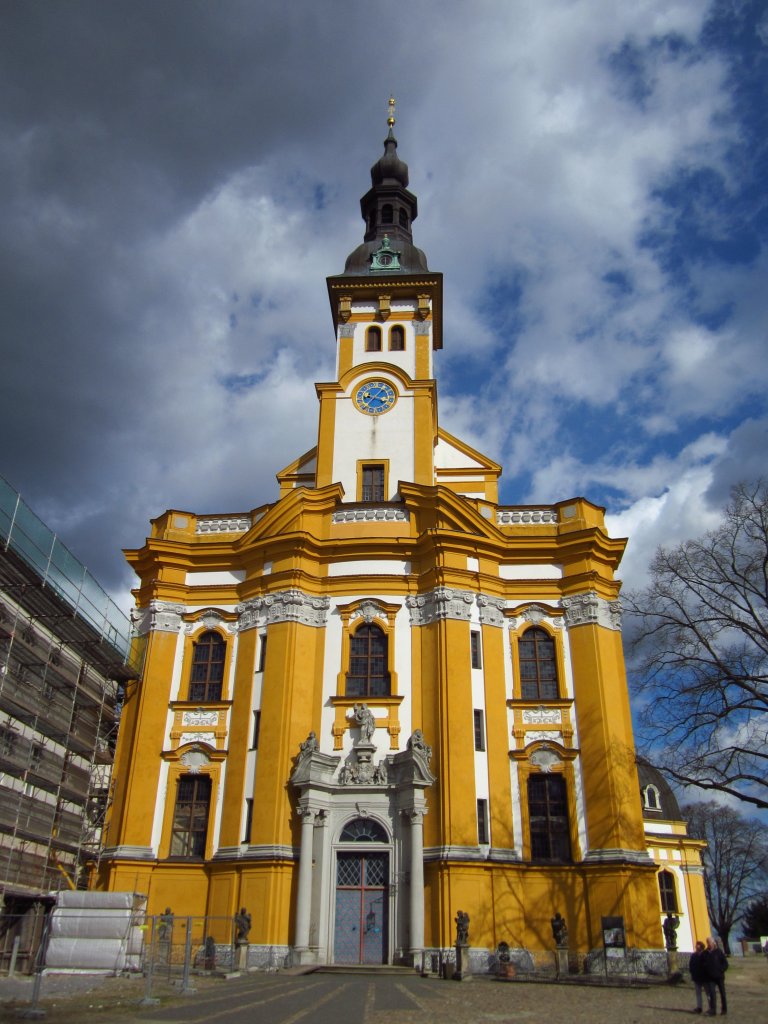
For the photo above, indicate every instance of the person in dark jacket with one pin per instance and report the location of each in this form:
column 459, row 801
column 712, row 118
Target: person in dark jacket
column 700, row 977
column 717, row 965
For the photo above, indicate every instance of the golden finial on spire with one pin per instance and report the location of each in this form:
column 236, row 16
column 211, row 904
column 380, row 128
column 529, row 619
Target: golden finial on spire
column 391, row 112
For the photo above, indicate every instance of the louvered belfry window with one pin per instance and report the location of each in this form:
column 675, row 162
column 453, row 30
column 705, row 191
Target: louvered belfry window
column 368, row 674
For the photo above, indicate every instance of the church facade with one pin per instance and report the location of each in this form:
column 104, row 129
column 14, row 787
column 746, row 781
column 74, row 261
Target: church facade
column 384, row 697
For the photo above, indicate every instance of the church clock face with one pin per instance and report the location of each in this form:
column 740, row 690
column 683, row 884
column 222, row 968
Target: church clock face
column 375, row 397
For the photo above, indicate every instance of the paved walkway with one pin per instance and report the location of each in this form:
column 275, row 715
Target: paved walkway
column 346, row 999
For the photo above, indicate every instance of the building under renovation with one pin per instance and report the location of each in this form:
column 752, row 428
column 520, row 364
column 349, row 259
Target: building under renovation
column 64, row 661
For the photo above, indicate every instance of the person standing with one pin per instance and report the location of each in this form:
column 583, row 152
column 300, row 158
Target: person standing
column 717, row 965
column 700, row 977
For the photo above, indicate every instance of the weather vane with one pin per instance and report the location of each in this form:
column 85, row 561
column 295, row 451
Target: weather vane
column 391, row 112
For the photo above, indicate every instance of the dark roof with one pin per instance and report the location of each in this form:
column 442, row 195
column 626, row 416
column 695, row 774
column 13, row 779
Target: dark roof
column 669, row 809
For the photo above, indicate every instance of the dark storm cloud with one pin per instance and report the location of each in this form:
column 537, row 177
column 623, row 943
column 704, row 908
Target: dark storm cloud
column 179, row 176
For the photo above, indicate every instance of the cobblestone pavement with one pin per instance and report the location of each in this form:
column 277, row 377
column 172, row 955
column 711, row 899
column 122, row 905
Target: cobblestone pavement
column 405, row 999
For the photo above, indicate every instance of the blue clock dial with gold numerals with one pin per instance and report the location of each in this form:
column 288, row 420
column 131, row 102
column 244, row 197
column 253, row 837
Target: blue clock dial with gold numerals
column 375, row 397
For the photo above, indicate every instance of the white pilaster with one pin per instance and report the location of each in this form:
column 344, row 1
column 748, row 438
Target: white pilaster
column 304, row 895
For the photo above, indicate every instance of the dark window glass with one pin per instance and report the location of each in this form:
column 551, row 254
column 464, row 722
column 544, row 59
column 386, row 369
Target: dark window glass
column 248, row 820
column 373, row 483
column 403, row 218
column 368, row 675
column 479, row 730
column 262, row 652
column 651, row 798
column 386, row 214
column 668, row 892
column 373, row 339
column 363, row 830
column 548, row 815
column 474, row 644
column 207, row 668
column 482, row 822
column 397, row 339
column 538, row 671
column 190, row 816
column 256, row 728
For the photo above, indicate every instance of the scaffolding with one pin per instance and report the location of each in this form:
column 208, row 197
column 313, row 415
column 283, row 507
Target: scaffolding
column 65, row 660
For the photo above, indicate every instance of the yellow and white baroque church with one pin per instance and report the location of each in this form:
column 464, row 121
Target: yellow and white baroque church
column 384, row 697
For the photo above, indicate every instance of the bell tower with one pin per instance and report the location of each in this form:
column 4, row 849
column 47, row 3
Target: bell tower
column 378, row 419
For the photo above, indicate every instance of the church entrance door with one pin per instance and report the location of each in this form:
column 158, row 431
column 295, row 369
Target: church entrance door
column 361, row 908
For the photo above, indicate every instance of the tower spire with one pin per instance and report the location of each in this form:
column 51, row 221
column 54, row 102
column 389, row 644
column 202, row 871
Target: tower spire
column 388, row 210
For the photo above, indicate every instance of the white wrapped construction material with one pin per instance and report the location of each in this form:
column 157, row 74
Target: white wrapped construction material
column 70, row 923
column 102, row 900
column 99, row 954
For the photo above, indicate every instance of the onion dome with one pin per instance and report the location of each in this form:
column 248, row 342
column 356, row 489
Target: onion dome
column 389, row 210
column 389, row 169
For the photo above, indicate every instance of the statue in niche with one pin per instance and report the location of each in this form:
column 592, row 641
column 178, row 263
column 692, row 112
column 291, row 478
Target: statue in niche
column 559, row 930
column 363, row 716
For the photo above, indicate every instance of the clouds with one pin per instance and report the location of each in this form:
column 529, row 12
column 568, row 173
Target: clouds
column 180, row 178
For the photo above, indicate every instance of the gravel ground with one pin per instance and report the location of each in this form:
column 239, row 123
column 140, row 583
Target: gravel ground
column 344, row 999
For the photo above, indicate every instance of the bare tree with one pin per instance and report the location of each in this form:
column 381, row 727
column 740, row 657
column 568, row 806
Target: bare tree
column 735, row 861
column 755, row 923
column 698, row 638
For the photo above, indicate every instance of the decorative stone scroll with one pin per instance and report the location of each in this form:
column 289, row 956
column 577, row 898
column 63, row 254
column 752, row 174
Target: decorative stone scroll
column 250, row 614
column 421, row 327
column 544, row 758
column 542, row 716
column 532, row 735
column 286, row 606
column 197, row 737
column 200, row 717
column 194, row 760
column 589, row 609
column 441, row 603
column 491, row 610
column 346, row 330
column 234, row 524
column 158, row 616
column 210, row 618
column 368, row 611
column 534, row 615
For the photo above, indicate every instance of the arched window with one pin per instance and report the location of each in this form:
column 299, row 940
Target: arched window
column 207, row 668
column 190, row 816
column 548, row 817
column 397, row 339
column 538, row 667
column 386, row 214
column 651, row 798
column 373, row 339
column 668, row 892
column 368, row 675
column 403, row 217
column 363, row 830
